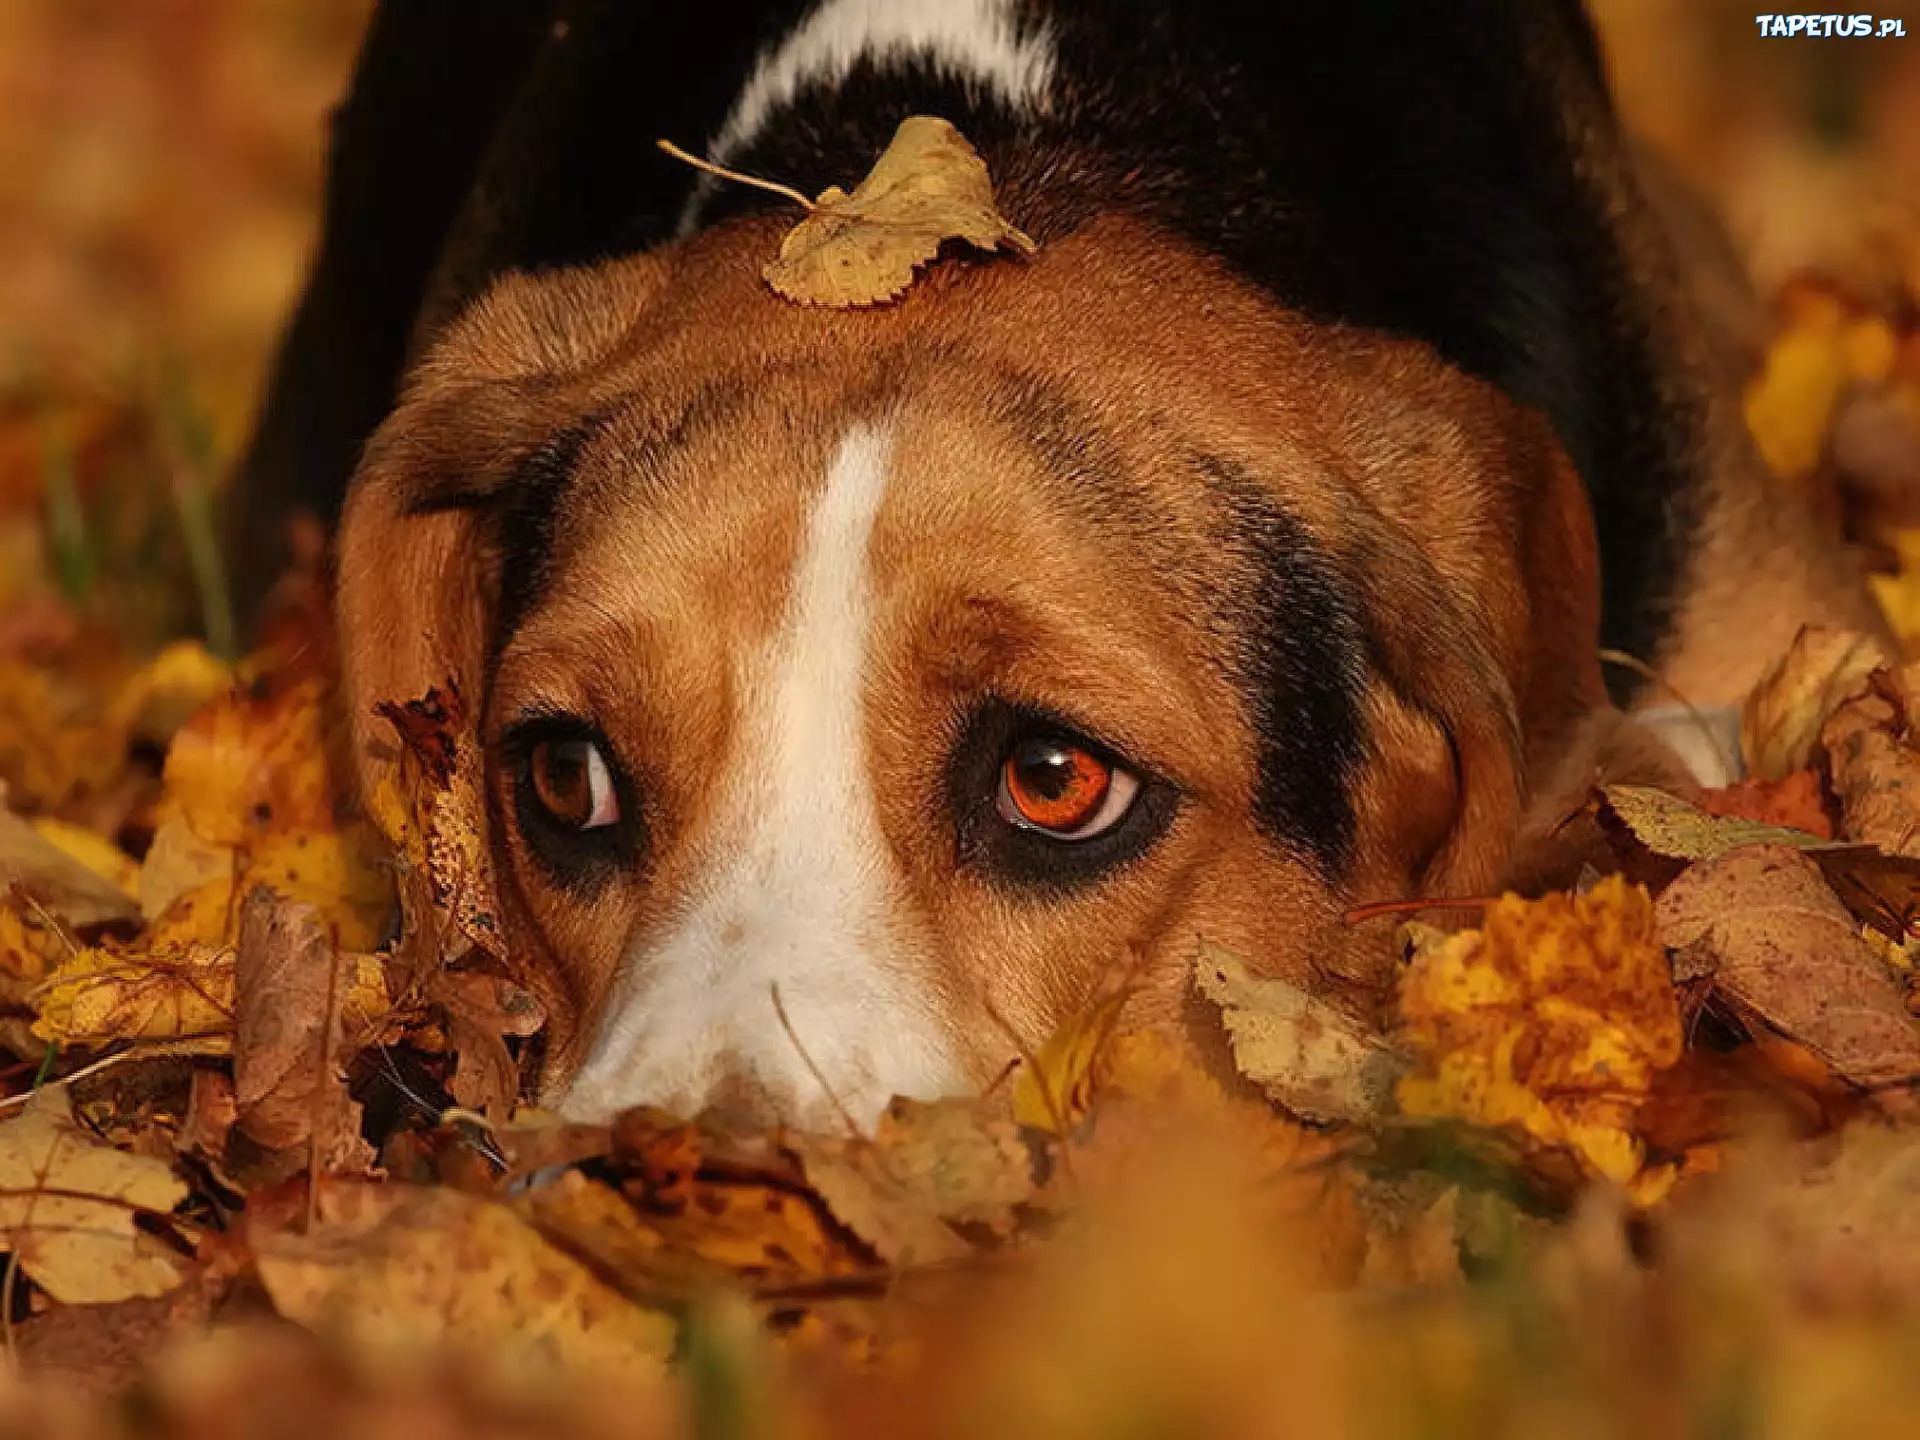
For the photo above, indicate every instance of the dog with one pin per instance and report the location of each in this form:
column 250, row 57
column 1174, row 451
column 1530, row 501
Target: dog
column 858, row 688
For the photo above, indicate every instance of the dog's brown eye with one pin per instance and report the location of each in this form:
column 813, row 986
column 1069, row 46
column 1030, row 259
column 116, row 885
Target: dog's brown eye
column 1062, row 789
column 571, row 781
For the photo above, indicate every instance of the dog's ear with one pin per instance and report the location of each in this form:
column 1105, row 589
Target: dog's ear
column 1485, row 638
column 418, row 542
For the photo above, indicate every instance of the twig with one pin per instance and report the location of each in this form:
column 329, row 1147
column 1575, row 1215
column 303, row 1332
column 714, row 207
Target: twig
column 192, row 1045
column 812, row 1069
column 322, row 1091
column 1379, row 909
column 786, row 191
column 1647, row 673
column 6, row 1308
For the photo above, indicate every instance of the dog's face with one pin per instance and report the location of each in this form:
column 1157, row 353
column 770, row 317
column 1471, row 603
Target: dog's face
column 858, row 688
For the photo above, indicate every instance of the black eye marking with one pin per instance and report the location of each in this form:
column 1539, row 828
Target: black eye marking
column 573, row 801
column 1086, row 811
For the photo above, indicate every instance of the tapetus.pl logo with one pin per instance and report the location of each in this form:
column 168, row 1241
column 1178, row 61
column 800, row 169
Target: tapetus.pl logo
column 1831, row 26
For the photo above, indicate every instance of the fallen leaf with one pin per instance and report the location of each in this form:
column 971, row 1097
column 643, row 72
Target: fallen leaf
column 1782, row 949
column 71, row 890
column 430, row 812
column 1308, row 1056
column 429, row 1270
column 1553, row 1018
column 300, row 1008
column 480, row 1011
column 1680, row 830
column 171, row 992
column 179, row 861
column 1053, row 1093
column 927, row 1164
column 255, row 760
column 67, row 1207
column 927, row 188
column 1874, row 767
column 93, row 850
column 1797, row 802
column 1780, row 724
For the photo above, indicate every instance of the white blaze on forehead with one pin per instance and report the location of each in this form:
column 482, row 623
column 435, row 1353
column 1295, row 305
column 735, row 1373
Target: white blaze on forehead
column 973, row 39
column 801, row 895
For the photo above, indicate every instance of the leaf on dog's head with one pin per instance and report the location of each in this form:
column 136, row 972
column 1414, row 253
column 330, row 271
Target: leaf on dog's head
column 929, row 187
column 1055, row 1091
column 1680, row 830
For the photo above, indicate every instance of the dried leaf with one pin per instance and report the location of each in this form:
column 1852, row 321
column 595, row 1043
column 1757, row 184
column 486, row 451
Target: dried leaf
column 1874, row 768
column 431, row 815
column 1797, row 802
column 254, row 761
column 928, row 187
column 481, row 1011
column 73, row 891
column 422, row 1271
column 298, row 1002
column 1781, row 948
column 67, row 1207
column 1679, row 830
column 1053, row 1093
column 1314, row 1059
column 174, row 991
column 1553, row 1018
column 1780, row 726
column 927, row 1164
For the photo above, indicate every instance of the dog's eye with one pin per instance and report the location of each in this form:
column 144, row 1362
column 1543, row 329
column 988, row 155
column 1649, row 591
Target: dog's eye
column 1058, row 788
column 571, row 781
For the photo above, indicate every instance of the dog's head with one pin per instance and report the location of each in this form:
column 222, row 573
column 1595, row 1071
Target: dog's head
column 919, row 665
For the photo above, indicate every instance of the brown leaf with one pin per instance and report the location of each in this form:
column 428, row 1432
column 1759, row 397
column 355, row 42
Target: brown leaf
column 928, row 187
column 1874, row 768
column 927, row 1164
column 294, row 1015
column 1780, row 726
column 481, row 1010
column 1782, row 949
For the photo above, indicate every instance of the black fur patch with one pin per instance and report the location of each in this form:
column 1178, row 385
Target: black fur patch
column 1303, row 669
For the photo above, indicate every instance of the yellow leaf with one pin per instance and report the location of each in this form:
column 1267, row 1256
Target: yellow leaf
column 1553, row 1019
column 421, row 1271
column 174, row 990
column 929, row 187
column 1055, row 1092
column 1899, row 593
column 178, row 990
column 1789, row 406
column 336, row 873
column 67, row 1207
column 160, row 697
column 96, row 852
column 254, row 761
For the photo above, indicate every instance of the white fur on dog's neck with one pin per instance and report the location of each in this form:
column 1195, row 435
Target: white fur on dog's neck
column 805, row 897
